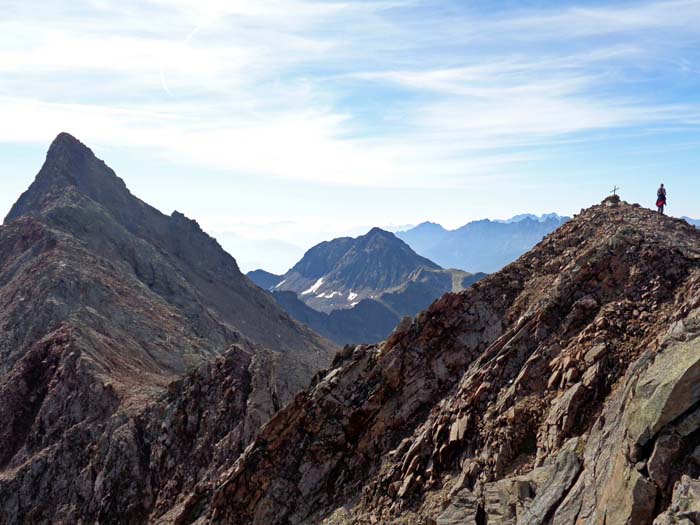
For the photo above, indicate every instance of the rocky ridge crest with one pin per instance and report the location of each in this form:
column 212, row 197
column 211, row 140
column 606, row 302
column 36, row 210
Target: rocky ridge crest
column 561, row 390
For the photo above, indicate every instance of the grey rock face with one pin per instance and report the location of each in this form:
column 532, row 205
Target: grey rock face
column 685, row 505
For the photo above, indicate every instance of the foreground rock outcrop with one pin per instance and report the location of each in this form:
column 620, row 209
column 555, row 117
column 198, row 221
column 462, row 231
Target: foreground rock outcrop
column 565, row 389
column 135, row 358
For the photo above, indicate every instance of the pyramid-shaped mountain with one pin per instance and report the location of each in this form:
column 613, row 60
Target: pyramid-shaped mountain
column 342, row 272
column 77, row 200
column 358, row 290
column 118, row 324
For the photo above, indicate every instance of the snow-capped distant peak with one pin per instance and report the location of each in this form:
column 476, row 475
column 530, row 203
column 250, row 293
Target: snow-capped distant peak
column 541, row 218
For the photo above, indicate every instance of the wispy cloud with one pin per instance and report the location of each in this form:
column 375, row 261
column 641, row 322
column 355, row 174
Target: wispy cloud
column 353, row 92
column 579, row 22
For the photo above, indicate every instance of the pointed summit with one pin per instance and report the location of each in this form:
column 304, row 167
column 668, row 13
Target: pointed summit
column 376, row 231
column 70, row 164
column 380, row 239
column 67, row 142
column 340, row 273
column 106, row 305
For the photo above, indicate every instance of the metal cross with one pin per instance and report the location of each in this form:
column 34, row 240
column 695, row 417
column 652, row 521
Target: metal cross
column 614, row 191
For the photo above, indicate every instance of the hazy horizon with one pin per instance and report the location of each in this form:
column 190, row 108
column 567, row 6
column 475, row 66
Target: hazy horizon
column 275, row 246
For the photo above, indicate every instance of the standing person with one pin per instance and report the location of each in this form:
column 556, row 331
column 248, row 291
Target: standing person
column 661, row 199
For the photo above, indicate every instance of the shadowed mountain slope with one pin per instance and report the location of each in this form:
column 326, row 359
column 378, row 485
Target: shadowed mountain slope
column 265, row 280
column 369, row 320
column 372, row 320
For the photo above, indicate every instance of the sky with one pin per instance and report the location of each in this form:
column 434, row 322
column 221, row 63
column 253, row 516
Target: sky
column 280, row 123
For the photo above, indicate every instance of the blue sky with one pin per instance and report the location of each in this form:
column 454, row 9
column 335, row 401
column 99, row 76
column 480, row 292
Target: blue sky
column 280, row 123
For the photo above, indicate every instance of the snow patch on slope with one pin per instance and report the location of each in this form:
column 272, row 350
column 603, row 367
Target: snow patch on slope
column 314, row 288
column 328, row 295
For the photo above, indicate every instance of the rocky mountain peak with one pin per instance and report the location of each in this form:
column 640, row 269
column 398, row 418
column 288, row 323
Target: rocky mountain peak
column 385, row 241
column 65, row 147
column 71, row 168
column 342, row 272
column 135, row 358
column 612, row 200
column 379, row 232
column 76, row 191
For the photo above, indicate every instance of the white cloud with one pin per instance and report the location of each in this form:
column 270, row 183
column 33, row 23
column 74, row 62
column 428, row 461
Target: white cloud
column 360, row 93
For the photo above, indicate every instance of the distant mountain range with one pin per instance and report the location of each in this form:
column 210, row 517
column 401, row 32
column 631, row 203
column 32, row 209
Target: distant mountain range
column 484, row 246
column 357, row 290
column 539, row 218
column 694, row 222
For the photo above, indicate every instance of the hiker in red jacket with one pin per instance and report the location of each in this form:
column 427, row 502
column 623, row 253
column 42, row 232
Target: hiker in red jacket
column 661, row 199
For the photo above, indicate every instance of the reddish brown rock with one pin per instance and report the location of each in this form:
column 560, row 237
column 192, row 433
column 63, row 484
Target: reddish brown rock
column 128, row 378
column 547, row 362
